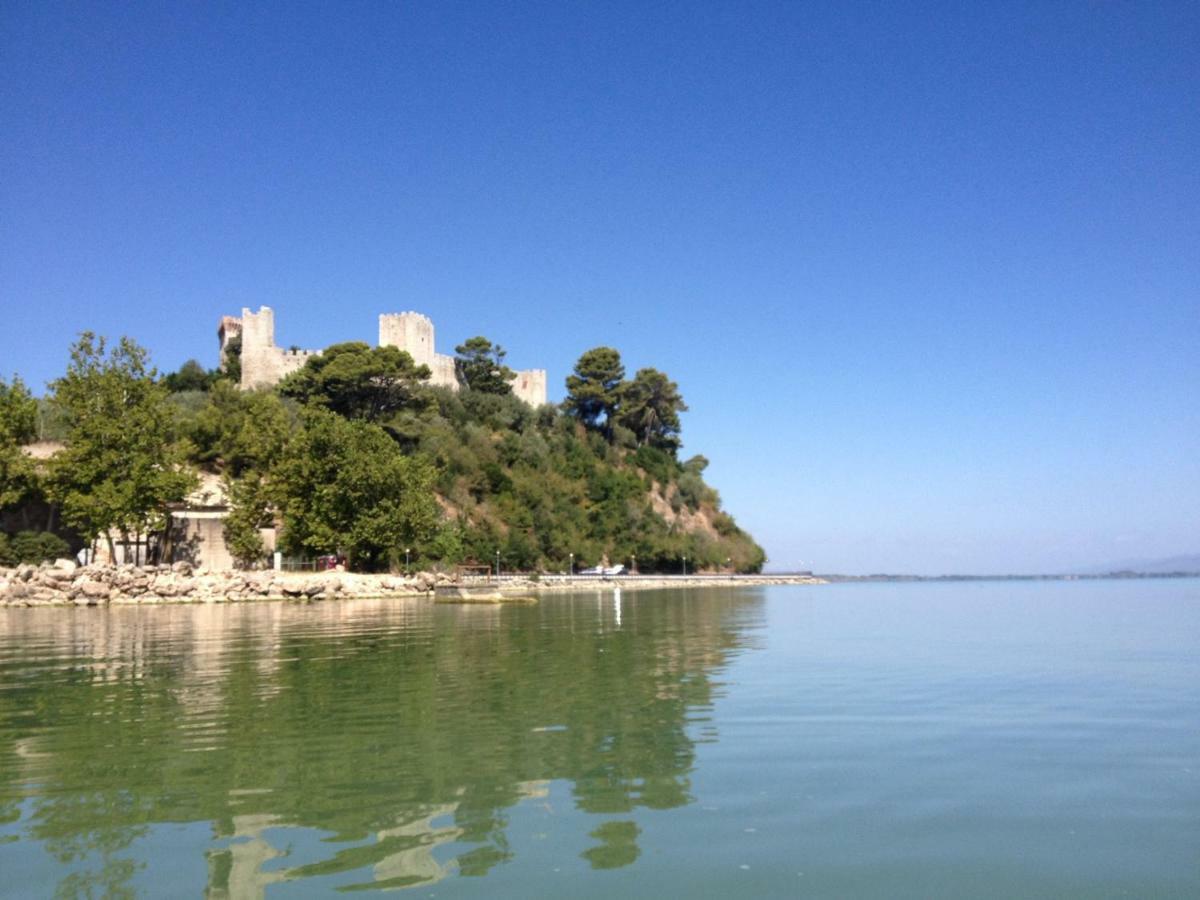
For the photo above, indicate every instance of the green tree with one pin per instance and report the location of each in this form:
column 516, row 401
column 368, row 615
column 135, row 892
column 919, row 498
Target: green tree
column 250, row 509
column 231, row 359
column 191, row 377
column 240, row 431
column 121, row 466
column 18, row 426
column 50, row 423
column 358, row 381
column 480, row 366
column 649, row 407
column 344, row 486
column 594, row 390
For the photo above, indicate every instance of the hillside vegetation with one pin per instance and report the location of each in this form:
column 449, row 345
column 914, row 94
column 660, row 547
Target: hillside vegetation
column 356, row 454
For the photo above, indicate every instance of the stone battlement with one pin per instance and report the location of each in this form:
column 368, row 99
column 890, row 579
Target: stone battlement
column 264, row 364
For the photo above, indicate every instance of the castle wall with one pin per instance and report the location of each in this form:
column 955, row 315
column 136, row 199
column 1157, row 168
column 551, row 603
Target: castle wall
column 443, row 371
column 264, row 364
column 291, row 360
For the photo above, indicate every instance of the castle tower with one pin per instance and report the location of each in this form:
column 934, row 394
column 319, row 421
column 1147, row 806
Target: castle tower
column 413, row 333
column 530, row 385
column 408, row 331
column 258, row 347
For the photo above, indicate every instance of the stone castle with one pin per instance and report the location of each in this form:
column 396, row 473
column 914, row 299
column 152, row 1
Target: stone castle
column 264, row 364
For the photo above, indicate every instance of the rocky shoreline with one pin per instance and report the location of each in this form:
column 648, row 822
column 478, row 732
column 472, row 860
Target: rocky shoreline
column 65, row 583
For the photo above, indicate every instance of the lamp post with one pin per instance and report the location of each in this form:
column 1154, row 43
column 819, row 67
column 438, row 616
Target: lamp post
column 407, row 569
column 572, row 564
column 634, row 563
column 685, row 566
column 497, row 563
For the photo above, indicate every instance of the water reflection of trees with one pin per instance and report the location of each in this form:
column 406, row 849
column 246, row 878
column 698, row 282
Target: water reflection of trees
column 392, row 728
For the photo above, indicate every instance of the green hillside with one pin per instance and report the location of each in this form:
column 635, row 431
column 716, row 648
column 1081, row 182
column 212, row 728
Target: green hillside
column 357, row 454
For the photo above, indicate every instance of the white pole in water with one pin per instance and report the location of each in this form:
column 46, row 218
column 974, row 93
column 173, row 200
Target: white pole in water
column 617, row 605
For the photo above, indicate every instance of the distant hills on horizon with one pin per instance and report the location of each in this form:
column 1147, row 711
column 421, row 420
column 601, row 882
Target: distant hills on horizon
column 1187, row 564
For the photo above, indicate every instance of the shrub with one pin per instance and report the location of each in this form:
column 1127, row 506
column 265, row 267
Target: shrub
column 32, row 547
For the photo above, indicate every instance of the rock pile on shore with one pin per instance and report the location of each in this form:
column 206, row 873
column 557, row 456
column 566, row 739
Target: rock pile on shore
column 64, row 582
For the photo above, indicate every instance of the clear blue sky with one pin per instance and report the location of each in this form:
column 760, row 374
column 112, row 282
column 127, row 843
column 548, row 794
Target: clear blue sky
column 927, row 274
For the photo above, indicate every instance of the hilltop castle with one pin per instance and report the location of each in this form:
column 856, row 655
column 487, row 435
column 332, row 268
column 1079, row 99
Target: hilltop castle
column 264, row 364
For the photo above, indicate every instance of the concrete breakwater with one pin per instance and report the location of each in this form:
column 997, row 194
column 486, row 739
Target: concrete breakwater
column 575, row 583
column 65, row 583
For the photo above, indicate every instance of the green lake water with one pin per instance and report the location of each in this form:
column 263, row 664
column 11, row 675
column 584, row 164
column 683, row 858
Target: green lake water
column 918, row 740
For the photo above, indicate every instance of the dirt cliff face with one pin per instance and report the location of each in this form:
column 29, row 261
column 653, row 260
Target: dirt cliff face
column 674, row 513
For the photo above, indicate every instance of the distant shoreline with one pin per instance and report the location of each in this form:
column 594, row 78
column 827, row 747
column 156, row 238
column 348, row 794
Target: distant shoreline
column 1107, row 576
column 64, row 583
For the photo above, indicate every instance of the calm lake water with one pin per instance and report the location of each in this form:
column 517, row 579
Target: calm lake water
column 982, row 739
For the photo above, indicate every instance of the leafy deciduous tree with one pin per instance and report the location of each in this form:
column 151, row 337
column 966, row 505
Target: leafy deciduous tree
column 249, row 510
column 121, row 466
column 344, row 486
column 18, row 425
column 241, row 430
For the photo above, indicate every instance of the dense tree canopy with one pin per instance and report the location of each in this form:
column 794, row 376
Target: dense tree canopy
column 358, row 381
column 239, row 431
column 191, row 377
column 18, row 426
column 480, row 366
column 121, row 465
column 343, row 486
column 250, row 510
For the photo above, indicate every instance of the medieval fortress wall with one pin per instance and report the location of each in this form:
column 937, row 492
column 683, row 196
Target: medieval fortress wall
column 264, row 364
